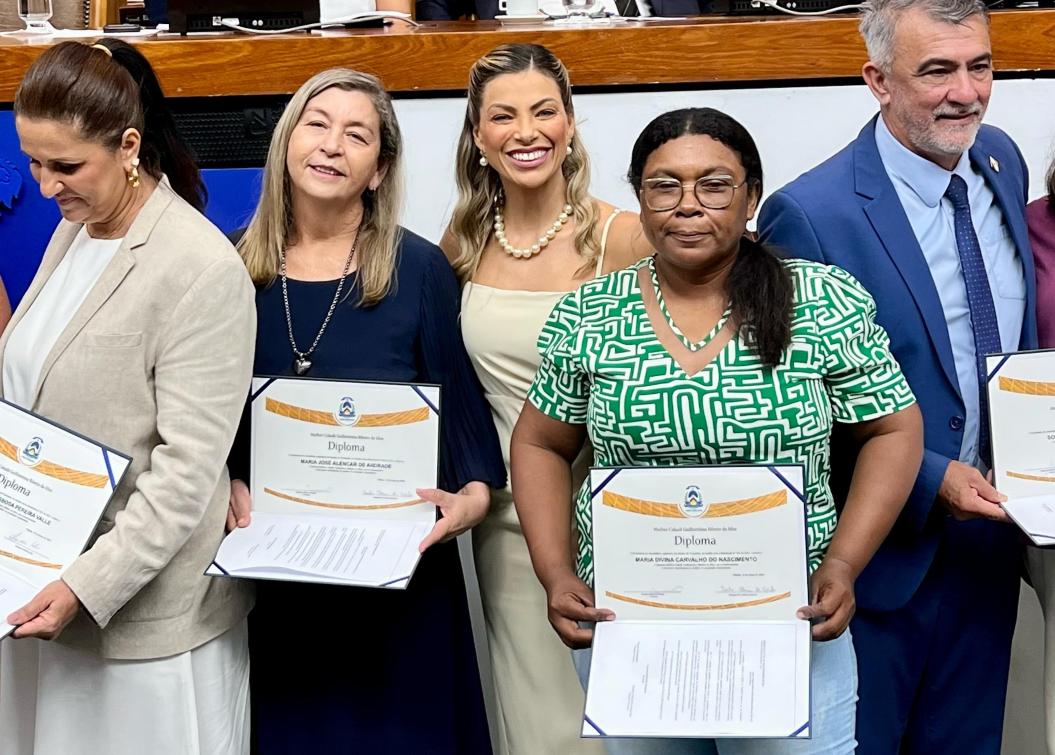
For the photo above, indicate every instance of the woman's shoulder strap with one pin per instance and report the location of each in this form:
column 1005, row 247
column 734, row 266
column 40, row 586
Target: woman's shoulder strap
column 604, row 239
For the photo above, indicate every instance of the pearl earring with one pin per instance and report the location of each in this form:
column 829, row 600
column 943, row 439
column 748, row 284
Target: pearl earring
column 483, row 160
column 567, row 150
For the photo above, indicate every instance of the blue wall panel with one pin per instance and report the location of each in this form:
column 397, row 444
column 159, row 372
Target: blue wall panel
column 27, row 219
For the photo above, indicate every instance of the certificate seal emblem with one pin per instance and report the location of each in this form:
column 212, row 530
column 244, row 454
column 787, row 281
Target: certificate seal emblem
column 347, row 413
column 692, row 504
column 30, row 453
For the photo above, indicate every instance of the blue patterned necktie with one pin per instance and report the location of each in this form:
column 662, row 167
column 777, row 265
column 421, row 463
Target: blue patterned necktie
column 979, row 300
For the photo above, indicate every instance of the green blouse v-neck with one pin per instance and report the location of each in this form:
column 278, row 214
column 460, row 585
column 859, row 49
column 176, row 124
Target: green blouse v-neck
column 603, row 366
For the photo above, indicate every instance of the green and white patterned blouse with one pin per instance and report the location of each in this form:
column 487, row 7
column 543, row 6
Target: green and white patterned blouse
column 603, row 366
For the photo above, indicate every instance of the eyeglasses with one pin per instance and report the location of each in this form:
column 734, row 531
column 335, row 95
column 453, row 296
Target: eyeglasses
column 712, row 192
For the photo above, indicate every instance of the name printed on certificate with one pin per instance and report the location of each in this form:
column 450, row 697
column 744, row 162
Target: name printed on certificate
column 335, row 469
column 54, row 488
column 1021, row 392
column 704, row 568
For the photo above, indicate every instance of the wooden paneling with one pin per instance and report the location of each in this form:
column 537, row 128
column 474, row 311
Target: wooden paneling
column 438, row 56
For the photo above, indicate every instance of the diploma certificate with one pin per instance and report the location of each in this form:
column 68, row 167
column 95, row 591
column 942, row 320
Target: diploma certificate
column 704, row 568
column 335, row 465
column 1021, row 390
column 54, row 487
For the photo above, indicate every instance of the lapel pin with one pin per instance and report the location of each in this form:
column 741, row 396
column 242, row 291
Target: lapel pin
column 994, row 164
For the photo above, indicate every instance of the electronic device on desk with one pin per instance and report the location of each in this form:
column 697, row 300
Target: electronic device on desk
column 825, row 7
column 156, row 12
column 782, row 7
column 1021, row 4
column 206, row 15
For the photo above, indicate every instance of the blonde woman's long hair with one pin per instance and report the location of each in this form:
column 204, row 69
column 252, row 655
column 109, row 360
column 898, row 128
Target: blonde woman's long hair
column 271, row 229
column 479, row 185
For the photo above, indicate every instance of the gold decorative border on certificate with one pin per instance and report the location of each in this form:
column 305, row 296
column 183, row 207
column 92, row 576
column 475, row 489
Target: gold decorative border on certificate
column 351, row 506
column 725, row 508
column 318, row 417
column 59, row 472
column 30, row 561
column 1026, row 387
column 1033, row 477
column 700, row 607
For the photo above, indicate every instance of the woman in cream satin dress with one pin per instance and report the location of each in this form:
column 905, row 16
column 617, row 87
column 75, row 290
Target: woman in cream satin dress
column 524, row 233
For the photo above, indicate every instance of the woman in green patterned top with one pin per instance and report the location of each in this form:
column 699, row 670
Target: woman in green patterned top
column 716, row 351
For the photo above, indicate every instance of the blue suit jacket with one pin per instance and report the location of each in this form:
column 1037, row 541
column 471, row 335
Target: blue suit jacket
column 846, row 212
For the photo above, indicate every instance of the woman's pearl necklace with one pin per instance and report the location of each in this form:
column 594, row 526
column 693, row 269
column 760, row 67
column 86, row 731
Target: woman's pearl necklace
column 538, row 246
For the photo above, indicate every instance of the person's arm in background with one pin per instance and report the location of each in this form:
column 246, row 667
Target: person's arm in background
column 400, row 6
column 5, row 308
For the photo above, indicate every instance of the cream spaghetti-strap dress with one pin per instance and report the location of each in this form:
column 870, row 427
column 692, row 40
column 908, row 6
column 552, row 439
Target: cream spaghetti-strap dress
column 540, row 700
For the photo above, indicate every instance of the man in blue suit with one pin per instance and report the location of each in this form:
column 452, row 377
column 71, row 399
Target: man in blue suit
column 926, row 209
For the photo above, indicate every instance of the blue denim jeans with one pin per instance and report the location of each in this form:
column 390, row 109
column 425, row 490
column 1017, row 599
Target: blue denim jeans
column 834, row 677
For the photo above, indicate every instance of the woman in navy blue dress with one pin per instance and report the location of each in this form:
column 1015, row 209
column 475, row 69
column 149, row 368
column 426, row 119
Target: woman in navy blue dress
column 344, row 293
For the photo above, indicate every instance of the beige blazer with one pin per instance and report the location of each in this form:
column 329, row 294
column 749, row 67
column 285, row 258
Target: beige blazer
column 156, row 363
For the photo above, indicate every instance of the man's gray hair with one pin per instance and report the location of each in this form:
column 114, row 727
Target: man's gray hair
column 879, row 21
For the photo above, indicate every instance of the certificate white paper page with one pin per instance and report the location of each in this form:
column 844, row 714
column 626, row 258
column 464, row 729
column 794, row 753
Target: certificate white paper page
column 696, row 678
column 704, row 568
column 54, row 487
column 1022, row 420
column 328, row 455
column 337, row 549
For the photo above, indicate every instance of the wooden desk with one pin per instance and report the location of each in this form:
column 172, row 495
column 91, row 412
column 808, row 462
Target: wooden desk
column 438, row 55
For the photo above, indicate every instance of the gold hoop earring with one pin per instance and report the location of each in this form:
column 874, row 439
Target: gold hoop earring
column 133, row 175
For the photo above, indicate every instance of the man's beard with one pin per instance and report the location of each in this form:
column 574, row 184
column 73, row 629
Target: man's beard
column 930, row 137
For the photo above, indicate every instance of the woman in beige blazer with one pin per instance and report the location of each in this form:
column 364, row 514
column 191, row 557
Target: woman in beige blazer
column 137, row 331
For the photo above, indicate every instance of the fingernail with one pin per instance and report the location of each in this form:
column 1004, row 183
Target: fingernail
column 801, row 614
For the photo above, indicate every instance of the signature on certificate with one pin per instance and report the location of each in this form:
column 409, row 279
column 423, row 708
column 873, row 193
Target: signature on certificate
column 744, row 590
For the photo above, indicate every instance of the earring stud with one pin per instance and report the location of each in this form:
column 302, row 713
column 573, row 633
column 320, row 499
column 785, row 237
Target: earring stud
column 133, row 175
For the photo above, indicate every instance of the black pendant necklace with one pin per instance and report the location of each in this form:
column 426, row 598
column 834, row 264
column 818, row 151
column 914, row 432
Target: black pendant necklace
column 301, row 362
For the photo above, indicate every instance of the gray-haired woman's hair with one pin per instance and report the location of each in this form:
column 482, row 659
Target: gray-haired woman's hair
column 879, row 21
column 479, row 185
column 271, row 230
